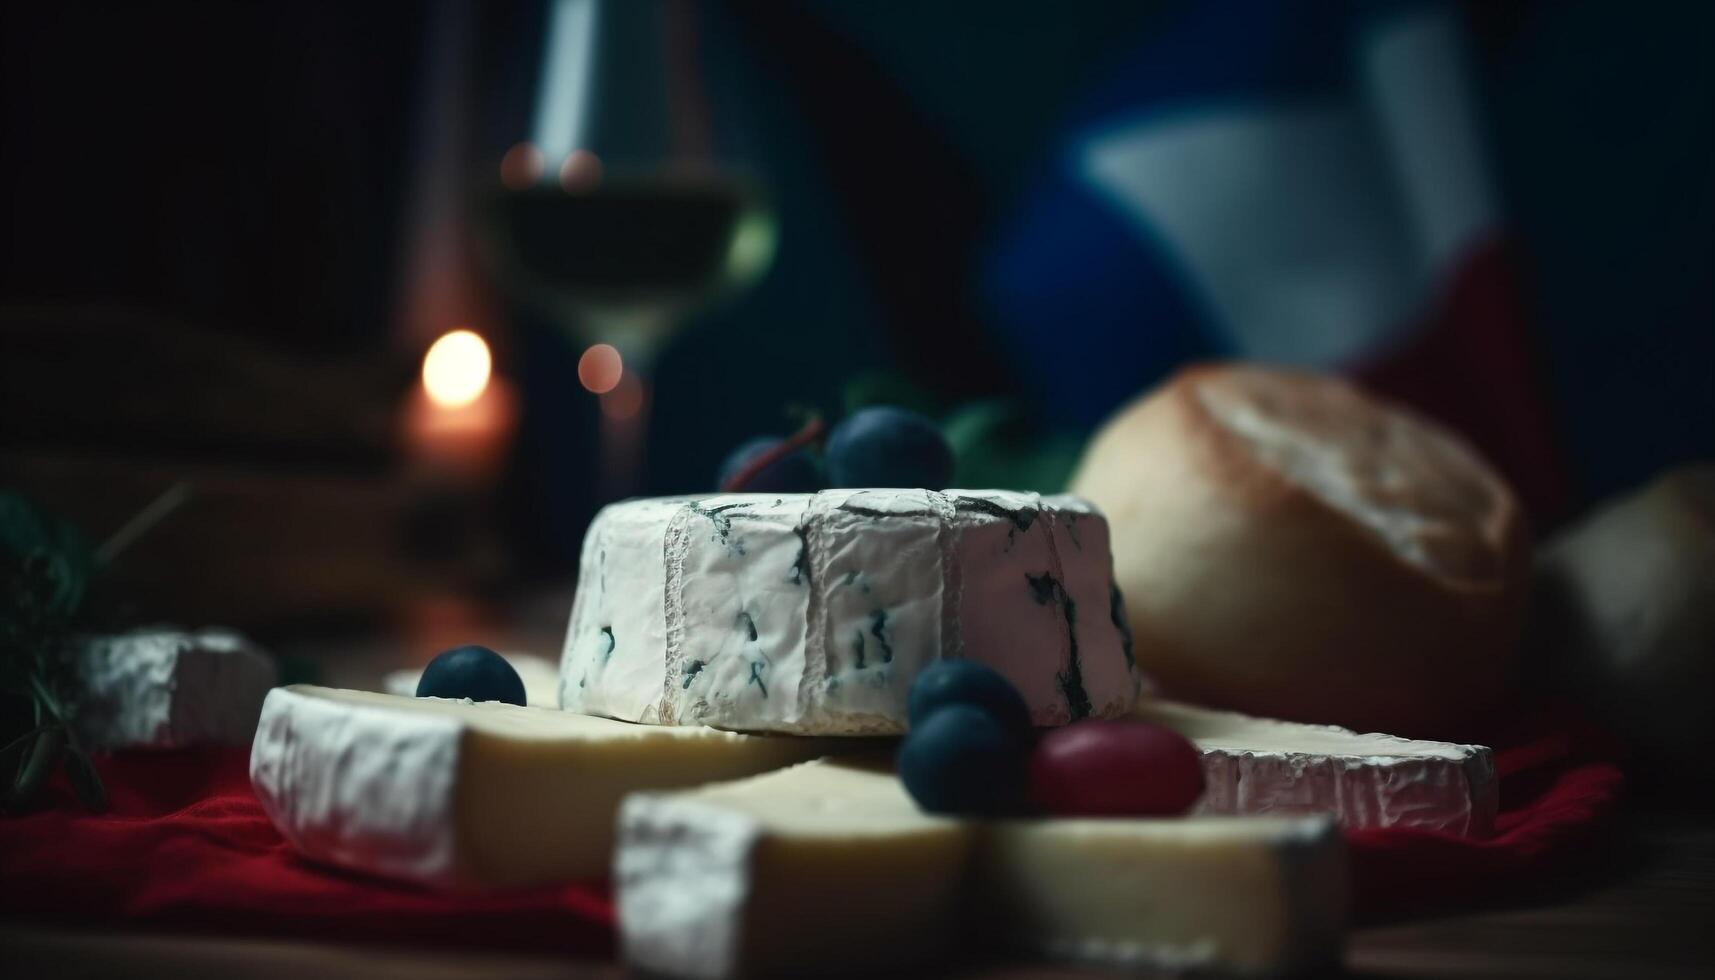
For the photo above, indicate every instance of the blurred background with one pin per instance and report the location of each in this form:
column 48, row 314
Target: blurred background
column 401, row 293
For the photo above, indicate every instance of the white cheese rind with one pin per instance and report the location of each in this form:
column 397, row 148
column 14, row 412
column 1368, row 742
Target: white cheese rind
column 768, row 876
column 460, row 794
column 1262, row 766
column 774, row 875
column 683, row 871
column 360, row 787
column 812, row 613
column 167, row 688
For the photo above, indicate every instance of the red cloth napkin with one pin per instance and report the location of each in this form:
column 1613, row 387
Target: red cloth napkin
column 1559, row 784
column 186, row 846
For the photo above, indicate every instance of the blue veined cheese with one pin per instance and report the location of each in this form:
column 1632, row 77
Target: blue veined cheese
column 812, row 613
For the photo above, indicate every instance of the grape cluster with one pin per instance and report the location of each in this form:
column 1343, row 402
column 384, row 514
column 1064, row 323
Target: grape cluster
column 880, row 446
column 971, row 750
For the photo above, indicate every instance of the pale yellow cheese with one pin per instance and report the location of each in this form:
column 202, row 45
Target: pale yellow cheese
column 1250, row 896
column 829, row 867
column 456, row 793
column 819, row 869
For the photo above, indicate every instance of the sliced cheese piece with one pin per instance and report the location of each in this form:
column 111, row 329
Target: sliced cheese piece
column 1255, row 896
column 540, row 675
column 453, row 793
column 1262, row 766
column 776, row 874
column 813, row 613
column 163, row 688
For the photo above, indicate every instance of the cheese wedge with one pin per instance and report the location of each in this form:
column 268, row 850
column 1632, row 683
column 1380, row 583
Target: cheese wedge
column 776, row 874
column 1262, row 766
column 451, row 793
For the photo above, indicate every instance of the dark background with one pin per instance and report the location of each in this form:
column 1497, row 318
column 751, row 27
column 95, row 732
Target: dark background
column 207, row 212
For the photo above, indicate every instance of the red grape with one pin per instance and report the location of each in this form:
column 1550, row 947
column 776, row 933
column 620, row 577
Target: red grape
column 1121, row 768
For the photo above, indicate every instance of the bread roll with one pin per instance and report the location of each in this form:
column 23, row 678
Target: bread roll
column 1624, row 617
column 1291, row 547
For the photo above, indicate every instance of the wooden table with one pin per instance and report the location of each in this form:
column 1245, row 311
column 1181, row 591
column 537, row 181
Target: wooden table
column 1647, row 912
column 1650, row 917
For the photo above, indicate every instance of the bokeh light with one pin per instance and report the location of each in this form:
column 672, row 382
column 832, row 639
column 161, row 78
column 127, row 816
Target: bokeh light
column 626, row 398
column 600, row 369
column 521, row 166
column 456, row 368
column 581, row 171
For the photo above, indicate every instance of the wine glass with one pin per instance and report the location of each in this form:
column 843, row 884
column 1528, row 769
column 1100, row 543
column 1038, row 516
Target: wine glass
column 618, row 246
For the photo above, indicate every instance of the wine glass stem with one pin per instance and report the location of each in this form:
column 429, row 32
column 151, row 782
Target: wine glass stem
column 624, row 427
column 624, row 430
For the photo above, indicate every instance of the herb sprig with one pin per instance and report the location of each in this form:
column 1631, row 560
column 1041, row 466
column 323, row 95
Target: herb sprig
column 47, row 571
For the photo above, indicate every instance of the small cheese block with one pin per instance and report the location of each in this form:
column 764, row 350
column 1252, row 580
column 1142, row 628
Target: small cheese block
column 1233, row 896
column 777, row 874
column 1262, row 766
column 164, row 688
column 540, row 675
column 813, row 613
column 451, row 793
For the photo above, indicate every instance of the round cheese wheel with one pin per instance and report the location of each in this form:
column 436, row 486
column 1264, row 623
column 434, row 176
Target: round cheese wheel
column 1290, row 546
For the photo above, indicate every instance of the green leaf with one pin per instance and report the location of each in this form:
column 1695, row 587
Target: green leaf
column 16, row 751
column 50, row 557
column 40, row 761
column 881, row 388
column 84, row 779
column 997, row 444
column 47, row 699
column 22, row 528
column 18, row 742
column 46, row 570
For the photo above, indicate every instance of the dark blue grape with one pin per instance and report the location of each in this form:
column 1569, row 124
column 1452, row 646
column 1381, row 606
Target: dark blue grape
column 888, row 447
column 967, row 682
column 959, row 760
column 796, row 472
column 473, row 672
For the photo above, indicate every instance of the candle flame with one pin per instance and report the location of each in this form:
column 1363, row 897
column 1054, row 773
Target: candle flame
column 456, row 369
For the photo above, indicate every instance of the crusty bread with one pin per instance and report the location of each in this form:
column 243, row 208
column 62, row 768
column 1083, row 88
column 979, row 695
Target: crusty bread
column 1623, row 616
column 1291, row 547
